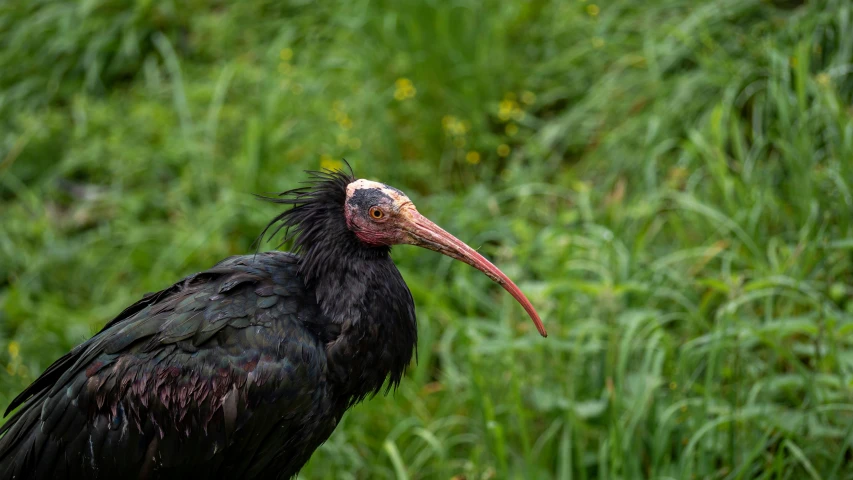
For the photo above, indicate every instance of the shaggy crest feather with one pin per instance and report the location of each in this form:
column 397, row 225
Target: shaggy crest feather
column 323, row 195
column 316, row 224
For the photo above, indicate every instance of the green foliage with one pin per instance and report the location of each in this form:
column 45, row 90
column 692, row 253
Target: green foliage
column 669, row 181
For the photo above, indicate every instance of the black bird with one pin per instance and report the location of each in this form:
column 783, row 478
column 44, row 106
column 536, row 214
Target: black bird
column 243, row 370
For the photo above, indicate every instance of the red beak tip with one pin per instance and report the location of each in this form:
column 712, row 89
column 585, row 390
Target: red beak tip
column 427, row 234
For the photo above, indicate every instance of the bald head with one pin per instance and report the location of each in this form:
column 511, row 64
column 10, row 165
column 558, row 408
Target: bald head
column 365, row 190
column 376, row 212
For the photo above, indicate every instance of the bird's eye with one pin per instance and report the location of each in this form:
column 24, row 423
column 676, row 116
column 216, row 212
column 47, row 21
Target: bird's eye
column 376, row 213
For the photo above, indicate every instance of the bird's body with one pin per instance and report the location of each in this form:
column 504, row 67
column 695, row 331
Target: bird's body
column 240, row 371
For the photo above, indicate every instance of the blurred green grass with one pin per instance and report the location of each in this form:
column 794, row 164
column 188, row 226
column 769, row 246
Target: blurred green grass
column 669, row 181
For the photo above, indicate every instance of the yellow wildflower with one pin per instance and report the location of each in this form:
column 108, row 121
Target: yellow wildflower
column 343, row 120
column 511, row 129
column 472, row 157
column 404, row 88
column 14, row 349
column 581, row 186
column 454, row 126
column 503, row 150
column 593, row 10
column 329, row 163
column 505, row 109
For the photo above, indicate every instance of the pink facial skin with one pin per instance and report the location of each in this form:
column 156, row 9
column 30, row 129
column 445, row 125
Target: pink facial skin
column 376, row 213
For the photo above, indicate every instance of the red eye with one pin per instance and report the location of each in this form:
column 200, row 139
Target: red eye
column 376, row 213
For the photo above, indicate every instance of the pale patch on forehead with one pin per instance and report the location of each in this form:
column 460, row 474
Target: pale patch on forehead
column 361, row 184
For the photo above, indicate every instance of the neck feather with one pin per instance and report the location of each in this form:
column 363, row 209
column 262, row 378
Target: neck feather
column 357, row 287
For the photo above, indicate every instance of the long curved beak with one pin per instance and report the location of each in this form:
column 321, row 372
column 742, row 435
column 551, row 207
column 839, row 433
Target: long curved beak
column 424, row 233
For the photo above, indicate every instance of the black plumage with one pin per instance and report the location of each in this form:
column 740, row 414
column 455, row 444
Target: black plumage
column 243, row 370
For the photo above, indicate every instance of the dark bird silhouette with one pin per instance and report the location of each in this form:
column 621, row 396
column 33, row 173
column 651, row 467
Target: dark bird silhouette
column 243, row 370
